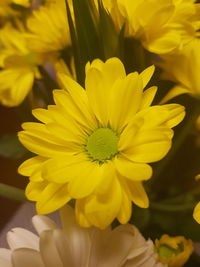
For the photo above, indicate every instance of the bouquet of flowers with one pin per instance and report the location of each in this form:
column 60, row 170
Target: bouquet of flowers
column 108, row 94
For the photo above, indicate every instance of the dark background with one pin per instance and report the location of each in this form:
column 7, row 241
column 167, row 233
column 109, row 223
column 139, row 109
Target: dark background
column 8, row 167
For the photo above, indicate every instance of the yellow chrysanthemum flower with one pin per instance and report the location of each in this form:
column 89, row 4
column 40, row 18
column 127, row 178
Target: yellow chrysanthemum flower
column 174, row 251
column 160, row 25
column 18, row 67
column 183, row 68
column 49, row 28
column 94, row 144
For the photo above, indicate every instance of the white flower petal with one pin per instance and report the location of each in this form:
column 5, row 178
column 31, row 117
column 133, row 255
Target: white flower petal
column 22, row 238
column 42, row 223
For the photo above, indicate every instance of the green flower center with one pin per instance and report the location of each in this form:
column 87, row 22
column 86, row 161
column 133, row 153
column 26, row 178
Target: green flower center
column 102, row 144
column 167, row 252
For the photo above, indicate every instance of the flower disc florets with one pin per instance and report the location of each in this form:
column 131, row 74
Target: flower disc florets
column 102, row 145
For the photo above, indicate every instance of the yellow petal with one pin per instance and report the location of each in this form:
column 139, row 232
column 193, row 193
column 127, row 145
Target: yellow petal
column 35, row 189
column 30, row 165
column 40, row 146
column 176, row 114
column 150, row 151
column 165, row 43
column 40, row 130
column 61, row 170
column 138, row 194
column 42, row 115
column 112, row 70
column 196, row 213
column 125, row 100
column 148, row 97
column 79, row 211
column 126, row 209
column 98, row 95
column 89, row 177
column 76, row 110
column 101, row 210
column 132, row 170
column 53, row 197
column 175, row 91
column 147, row 74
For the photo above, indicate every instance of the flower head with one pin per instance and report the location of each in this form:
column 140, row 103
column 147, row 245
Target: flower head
column 48, row 28
column 94, row 145
column 74, row 246
column 182, row 67
column 174, row 251
column 161, row 26
column 19, row 67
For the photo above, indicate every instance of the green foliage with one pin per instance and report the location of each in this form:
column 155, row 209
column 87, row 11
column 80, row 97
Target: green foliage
column 10, row 147
column 93, row 35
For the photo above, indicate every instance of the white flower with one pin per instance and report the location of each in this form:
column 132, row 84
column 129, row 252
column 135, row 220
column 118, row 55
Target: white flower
column 73, row 246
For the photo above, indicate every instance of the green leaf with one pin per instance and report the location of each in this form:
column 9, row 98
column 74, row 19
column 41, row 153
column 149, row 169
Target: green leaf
column 10, row 147
column 84, row 35
column 109, row 38
column 75, row 46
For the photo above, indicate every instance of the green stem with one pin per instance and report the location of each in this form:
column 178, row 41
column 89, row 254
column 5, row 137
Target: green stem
column 12, row 192
column 172, row 207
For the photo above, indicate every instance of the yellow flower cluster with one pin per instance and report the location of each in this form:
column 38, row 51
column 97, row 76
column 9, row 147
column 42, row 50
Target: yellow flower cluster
column 161, row 26
column 23, row 51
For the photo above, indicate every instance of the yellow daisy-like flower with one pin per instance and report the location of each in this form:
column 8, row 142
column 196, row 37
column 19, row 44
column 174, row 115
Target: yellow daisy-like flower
column 18, row 67
column 183, row 68
column 161, row 26
column 174, row 251
column 49, row 28
column 94, row 144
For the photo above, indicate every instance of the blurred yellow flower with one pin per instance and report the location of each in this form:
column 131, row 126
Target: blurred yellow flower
column 161, row 26
column 6, row 9
column 94, row 144
column 174, row 251
column 183, row 68
column 24, row 3
column 49, row 28
column 18, row 67
column 196, row 212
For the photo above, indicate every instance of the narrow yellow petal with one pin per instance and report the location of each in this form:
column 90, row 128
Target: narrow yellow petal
column 125, row 101
column 148, row 97
column 126, row 209
column 196, row 213
column 175, row 91
column 101, row 210
column 30, row 165
column 41, row 147
column 53, row 197
column 42, row 115
column 147, row 74
column 90, row 176
column 149, row 152
column 34, row 190
column 97, row 94
column 132, row 170
column 138, row 194
column 61, row 170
